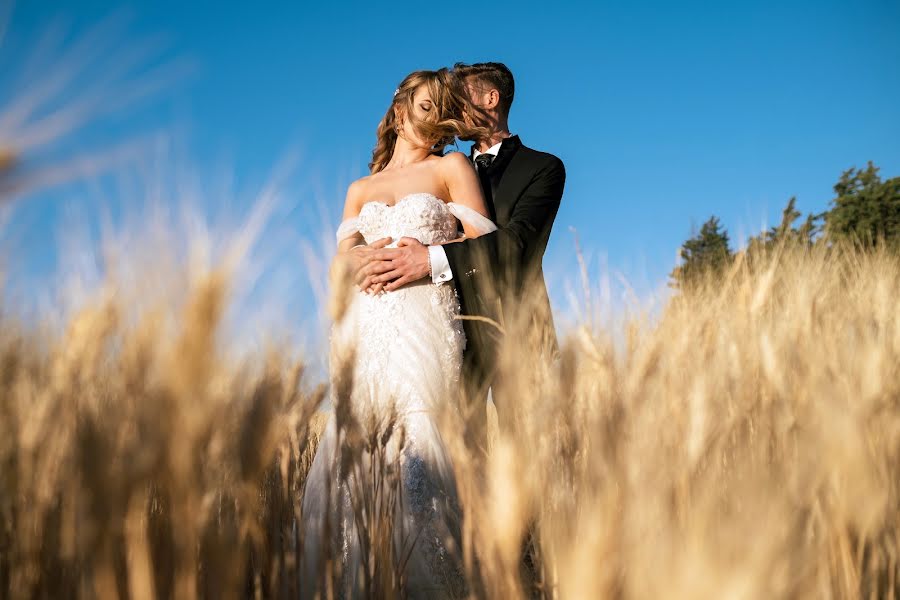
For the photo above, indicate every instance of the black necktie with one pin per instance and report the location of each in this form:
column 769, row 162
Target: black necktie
column 484, row 161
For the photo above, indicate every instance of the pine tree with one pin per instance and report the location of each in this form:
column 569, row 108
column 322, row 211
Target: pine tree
column 706, row 253
column 866, row 209
column 785, row 233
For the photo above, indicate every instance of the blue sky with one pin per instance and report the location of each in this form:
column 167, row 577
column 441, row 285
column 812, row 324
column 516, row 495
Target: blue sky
column 663, row 112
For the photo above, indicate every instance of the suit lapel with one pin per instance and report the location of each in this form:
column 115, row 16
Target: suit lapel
column 502, row 180
column 503, row 195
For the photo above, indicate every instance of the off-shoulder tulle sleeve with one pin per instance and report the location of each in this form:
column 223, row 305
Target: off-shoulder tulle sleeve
column 472, row 218
column 347, row 229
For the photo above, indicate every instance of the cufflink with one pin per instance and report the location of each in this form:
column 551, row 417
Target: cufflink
column 442, row 276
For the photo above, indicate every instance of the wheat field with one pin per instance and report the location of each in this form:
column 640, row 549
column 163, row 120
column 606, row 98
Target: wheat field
column 741, row 443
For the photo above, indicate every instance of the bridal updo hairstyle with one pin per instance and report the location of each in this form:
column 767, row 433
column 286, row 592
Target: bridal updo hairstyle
column 440, row 127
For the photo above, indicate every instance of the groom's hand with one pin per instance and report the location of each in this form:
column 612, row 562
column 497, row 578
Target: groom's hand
column 392, row 268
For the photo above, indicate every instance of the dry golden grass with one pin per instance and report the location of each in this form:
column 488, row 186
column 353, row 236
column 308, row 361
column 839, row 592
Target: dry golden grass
column 743, row 444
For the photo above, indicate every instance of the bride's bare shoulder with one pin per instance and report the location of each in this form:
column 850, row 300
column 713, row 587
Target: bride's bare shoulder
column 456, row 160
column 356, row 195
column 455, row 168
column 361, row 183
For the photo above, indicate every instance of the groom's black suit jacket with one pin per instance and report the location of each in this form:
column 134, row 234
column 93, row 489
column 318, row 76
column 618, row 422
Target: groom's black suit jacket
column 500, row 272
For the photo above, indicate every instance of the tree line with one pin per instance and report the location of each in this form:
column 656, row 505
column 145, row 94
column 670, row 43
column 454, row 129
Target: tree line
column 865, row 211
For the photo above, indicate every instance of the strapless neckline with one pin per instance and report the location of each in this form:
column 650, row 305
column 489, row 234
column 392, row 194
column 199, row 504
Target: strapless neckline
column 420, row 215
column 406, row 197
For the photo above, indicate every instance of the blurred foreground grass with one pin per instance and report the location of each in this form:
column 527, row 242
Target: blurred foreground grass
column 744, row 443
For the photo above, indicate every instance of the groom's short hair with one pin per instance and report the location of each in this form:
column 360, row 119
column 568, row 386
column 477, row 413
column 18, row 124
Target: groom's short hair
column 494, row 74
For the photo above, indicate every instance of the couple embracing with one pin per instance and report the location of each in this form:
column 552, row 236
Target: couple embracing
column 431, row 238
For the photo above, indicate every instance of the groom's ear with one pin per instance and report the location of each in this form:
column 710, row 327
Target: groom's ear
column 493, row 99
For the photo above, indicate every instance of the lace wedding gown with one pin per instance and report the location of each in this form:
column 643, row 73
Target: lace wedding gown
column 408, row 354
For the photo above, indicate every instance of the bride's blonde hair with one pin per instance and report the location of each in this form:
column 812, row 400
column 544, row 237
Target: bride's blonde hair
column 439, row 127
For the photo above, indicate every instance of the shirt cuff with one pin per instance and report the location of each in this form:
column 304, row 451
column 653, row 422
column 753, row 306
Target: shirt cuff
column 440, row 266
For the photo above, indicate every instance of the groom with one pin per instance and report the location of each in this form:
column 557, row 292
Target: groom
column 497, row 275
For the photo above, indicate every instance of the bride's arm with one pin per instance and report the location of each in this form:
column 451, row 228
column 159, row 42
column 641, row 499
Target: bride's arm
column 465, row 193
column 348, row 235
column 352, row 252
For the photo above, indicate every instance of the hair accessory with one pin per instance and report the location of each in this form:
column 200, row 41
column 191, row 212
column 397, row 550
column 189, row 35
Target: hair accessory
column 397, row 91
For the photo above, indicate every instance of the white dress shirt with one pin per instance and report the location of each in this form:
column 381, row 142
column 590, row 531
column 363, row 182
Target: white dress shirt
column 440, row 266
column 492, row 150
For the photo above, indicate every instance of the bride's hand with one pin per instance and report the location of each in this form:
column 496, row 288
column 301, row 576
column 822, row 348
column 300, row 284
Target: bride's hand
column 393, row 268
column 357, row 257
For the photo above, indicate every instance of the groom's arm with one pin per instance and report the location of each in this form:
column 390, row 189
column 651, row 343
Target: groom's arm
column 440, row 265
column 521, row 241
column 514, row 245
column 411, row 261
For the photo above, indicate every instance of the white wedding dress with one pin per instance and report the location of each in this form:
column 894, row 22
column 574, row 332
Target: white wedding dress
column 408, row 353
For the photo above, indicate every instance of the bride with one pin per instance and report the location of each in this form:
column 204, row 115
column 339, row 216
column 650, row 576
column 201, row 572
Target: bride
column 407, row 348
